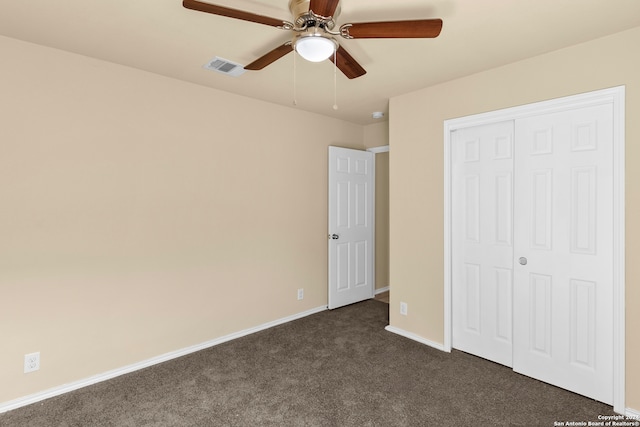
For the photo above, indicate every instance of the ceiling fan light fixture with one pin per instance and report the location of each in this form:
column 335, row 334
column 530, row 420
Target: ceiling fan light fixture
column 315, row 47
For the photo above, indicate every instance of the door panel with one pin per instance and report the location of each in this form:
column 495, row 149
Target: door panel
column 351, row 181
column 482, row 236
column 564, row 223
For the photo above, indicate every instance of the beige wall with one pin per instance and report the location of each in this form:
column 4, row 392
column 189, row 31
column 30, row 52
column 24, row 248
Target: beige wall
column 141, row 215
column 416, row 170
column 377, row 135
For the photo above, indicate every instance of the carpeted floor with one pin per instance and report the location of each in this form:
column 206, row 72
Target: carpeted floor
column 335, row 368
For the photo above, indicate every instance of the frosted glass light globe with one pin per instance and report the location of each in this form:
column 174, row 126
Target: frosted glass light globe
column 315, row 48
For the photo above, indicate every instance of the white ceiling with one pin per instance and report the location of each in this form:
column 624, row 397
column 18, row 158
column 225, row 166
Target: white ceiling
column 162, row 37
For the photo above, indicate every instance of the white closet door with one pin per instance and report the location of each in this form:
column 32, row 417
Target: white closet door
column 482, row 240
column 563, row 215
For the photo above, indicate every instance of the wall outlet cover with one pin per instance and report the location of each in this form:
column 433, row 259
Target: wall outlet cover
column 31, row 362
column 403, row 308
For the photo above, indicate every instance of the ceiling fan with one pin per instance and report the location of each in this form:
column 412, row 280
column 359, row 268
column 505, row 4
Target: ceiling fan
column 314, row 38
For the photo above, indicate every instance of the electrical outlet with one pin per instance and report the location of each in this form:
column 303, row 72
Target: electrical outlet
column 31, row 362
column 403, row 308
column 300, row 294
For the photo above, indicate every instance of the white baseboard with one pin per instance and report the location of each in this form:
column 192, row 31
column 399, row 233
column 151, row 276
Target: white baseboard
column 415, row 337
column 66, row 388
column 632, row 413
column 381, row 290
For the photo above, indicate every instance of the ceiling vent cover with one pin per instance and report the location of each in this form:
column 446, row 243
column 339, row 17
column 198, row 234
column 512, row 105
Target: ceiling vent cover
column 225, row 66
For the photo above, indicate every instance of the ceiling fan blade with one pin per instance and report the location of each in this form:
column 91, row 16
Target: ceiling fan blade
column 324, row 7
column 423, row 28
column 348, row 65
column 270, row 57
column 231, row 13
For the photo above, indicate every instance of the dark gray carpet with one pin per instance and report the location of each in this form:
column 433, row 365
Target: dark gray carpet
column 335, row 368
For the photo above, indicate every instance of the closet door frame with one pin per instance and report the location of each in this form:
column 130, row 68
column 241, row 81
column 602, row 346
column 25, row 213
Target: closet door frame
column 614, row 96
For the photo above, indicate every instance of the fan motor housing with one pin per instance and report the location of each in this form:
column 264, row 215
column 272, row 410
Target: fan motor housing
column 299, row 8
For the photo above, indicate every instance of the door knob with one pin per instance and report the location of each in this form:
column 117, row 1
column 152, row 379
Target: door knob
column 522, row 260
column 334, row 237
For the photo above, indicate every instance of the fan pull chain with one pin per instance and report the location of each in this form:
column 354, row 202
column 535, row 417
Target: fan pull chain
column 295, row 92
column 335, row 80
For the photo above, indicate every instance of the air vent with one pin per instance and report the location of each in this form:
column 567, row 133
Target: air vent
column 225, row 66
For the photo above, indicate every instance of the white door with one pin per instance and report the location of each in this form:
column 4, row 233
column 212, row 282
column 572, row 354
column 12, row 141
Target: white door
column 482, row 240
column 556, row 226
column 563, row 333
column 351, row 182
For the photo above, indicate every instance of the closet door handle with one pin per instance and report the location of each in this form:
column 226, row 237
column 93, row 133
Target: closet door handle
column 522, row 260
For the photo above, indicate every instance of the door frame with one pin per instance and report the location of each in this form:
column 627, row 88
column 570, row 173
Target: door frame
column 614, row 96
column 376, row 151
